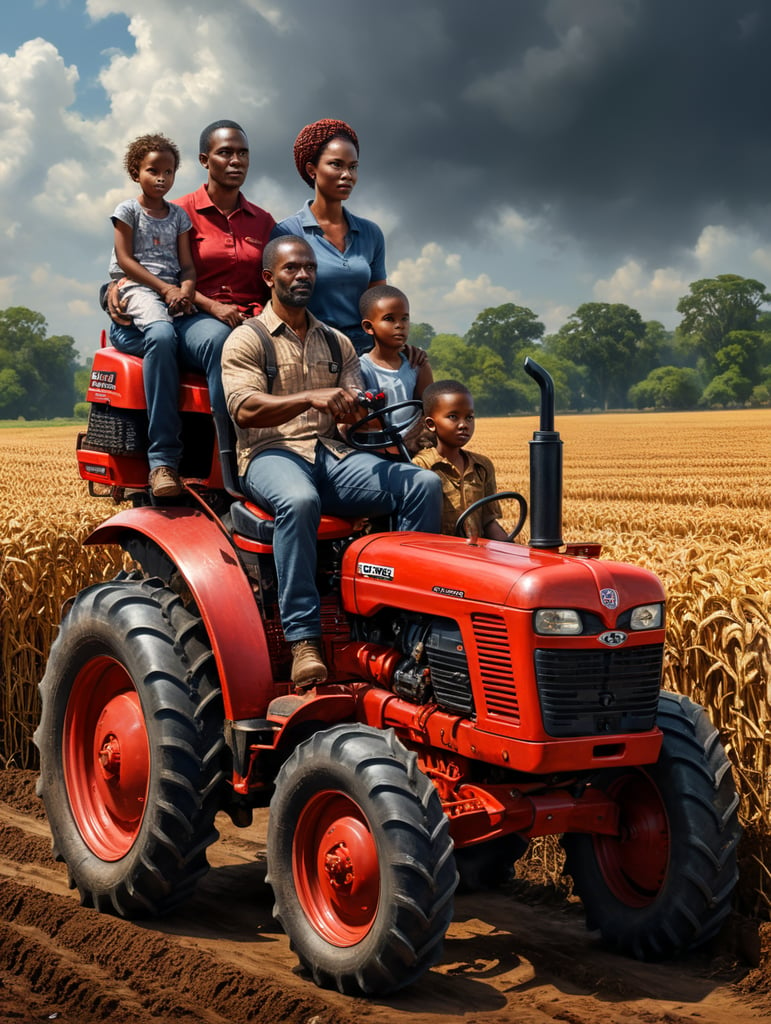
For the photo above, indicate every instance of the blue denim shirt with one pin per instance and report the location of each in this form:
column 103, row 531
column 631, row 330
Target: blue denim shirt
column 342, row 277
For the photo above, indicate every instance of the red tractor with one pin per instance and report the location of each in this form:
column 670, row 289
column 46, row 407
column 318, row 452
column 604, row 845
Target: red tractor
column 479, row 694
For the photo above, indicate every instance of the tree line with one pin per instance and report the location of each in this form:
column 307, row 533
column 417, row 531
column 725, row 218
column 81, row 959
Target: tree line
column 605, row 356
column 37, row 372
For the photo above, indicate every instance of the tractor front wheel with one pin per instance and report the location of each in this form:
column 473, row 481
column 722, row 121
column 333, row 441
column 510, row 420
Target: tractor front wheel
column 360, row 860
column 664, row 883
column 131, row 743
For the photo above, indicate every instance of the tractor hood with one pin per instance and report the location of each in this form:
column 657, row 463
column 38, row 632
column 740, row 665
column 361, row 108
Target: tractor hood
column 402, row 569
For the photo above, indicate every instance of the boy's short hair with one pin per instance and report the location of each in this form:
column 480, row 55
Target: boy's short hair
column 434, row 392
column 373, row 295
column 144, row 144
column 204, row 142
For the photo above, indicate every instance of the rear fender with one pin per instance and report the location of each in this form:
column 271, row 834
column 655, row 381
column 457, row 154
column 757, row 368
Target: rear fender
column 208, row 563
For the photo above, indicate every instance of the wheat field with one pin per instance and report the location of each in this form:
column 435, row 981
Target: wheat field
column 687, row 495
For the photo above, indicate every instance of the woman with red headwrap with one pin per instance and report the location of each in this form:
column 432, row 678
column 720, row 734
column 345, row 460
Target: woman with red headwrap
column 349, row 250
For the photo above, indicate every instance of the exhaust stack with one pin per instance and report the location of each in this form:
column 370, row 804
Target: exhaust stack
column 545, row 468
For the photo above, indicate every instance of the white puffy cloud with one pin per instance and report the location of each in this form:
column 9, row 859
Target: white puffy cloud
column 719, row 249
column 653, row 293
column 441, row 294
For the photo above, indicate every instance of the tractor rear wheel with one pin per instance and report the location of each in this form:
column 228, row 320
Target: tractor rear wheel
column 664, row 884
column 131, row 743
column 360, row 860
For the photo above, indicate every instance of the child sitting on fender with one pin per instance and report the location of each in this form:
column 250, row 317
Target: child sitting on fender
column 387, row 368
column 466, row 477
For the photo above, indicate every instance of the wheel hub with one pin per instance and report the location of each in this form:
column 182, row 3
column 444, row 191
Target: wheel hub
column 107, row 758
column 339, row 866
column 336, row 868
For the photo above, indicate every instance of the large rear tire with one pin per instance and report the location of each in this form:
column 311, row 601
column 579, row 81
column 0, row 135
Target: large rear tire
column 360, row 860
column 131, row 744
column 664, row 885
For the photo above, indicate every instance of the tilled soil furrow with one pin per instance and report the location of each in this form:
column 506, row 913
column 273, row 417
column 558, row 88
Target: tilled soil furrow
column 117, row 968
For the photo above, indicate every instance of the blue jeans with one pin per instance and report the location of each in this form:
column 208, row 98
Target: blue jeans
column 297, row 492
column 190, row 343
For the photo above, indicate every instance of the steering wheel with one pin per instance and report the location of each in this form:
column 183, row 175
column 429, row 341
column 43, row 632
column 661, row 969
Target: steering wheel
column 389, row 434
column 515, row 495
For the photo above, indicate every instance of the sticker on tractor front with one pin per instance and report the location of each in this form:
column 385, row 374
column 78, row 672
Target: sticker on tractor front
column 613, row 638
column 378, row 572
column 449, row 592
column 103, row 380
column 609, row 597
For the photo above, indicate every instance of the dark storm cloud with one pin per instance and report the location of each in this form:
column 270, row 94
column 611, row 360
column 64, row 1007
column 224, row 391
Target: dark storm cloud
column 632, row 122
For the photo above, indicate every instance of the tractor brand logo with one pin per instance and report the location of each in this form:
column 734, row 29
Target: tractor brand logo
column 613, row 638
column 379, row 572
column 609, row 598
column 449, row 592
column 103, row 380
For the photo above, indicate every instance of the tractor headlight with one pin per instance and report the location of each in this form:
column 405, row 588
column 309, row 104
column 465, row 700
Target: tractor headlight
column 558, row 622
column 647, row 616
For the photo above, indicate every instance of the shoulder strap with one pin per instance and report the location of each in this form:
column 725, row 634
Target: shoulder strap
column 271, row 368
column 336, row 360
column 262, row 332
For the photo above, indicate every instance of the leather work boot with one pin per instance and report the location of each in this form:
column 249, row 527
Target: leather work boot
column 165, row 483
column 308, row 667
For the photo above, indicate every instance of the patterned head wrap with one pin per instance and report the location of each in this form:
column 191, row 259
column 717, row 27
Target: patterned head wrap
column 313, row 137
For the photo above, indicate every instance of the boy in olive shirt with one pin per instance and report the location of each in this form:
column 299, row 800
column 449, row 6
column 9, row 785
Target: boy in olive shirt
column 466, row 476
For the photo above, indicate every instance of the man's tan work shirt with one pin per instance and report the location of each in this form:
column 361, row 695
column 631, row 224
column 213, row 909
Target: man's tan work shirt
column 301, row 365
column 459, row 490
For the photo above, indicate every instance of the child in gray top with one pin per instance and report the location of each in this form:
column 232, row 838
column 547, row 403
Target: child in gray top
column 152, row 256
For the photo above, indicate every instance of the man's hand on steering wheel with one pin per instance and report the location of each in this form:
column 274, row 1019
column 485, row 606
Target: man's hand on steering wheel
column 388, row 434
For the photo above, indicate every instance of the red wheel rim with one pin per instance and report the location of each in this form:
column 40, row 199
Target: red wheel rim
column 106, row 758
column 635, row 863
column 336, row 870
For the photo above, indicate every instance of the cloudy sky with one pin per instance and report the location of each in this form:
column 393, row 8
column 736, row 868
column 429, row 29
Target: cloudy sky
column 543, row 152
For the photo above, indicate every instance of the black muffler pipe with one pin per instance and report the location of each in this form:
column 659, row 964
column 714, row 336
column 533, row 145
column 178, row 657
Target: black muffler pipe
column 545, row 468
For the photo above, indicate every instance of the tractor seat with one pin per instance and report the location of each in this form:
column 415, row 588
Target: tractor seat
column 250, row 522
column 254, row 523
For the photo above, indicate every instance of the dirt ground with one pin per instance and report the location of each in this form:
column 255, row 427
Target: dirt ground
column 510, row 956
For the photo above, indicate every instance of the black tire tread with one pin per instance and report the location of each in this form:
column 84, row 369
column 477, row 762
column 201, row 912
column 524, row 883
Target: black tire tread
column 182, row 691
column 694, row 777
column 408, row 811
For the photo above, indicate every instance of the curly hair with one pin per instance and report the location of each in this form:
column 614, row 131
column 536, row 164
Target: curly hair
column 145, row 144
column 310, row 143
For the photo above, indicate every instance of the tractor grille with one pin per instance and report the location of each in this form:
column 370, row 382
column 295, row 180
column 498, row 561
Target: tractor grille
column 495, row 668
column 587, row 693
column 449, row 670
column 117, row 431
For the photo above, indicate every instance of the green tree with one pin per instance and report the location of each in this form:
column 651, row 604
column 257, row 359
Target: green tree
column 81, row 381
column 726, row 389
column 451, row 358
column 715, row 308
column 667, row 387
column 43, row 385
column 482, row 370
column 505, row 329
column 421, row 335
column 610, row 341
column 11, row 390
